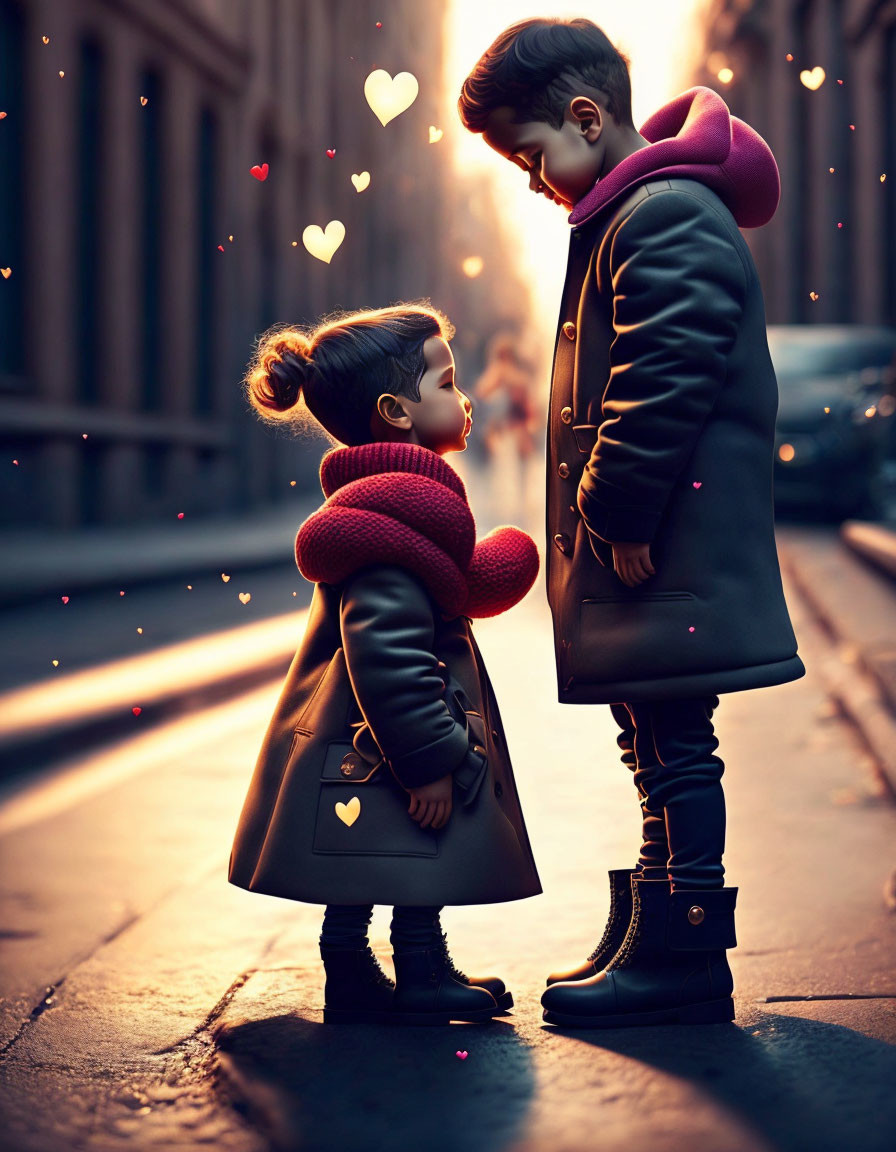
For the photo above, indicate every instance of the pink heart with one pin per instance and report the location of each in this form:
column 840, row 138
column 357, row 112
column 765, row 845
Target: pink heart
column 65, row 599
column 331, row 152
column 461, row 1055
column 260, row 172
column 697, row 483
column 691, row 629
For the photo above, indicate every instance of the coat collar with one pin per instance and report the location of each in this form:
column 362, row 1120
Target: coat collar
column 696, row 137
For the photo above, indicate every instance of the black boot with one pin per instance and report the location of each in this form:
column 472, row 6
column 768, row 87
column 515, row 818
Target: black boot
column 427, row 993
column 357, row 990
column 670, row 969
column 614, row 933
column 493, row 984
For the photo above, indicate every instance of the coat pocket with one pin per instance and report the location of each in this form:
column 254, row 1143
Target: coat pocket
column 362, row 810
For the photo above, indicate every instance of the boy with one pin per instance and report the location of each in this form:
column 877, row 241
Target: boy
column 662, row 569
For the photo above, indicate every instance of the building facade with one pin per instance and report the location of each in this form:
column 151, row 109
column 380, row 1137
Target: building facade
column 834, row 233
column 124, row 330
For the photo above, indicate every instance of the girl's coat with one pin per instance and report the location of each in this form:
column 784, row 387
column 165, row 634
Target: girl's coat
column 386, row 692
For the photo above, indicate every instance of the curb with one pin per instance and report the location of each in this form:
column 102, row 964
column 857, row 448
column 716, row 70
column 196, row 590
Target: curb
column 70, row 714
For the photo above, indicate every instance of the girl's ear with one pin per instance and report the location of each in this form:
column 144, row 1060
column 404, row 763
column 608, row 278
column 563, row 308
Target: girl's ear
column 392, row 411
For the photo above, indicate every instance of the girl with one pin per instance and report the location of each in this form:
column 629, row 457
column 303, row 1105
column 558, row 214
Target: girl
column 384, row 776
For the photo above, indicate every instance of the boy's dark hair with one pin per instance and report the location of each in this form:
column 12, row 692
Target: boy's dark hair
column 341, row 367
column 537, row 66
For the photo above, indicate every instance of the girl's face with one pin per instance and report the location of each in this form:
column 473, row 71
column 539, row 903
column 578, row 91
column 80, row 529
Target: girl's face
column 443, row 416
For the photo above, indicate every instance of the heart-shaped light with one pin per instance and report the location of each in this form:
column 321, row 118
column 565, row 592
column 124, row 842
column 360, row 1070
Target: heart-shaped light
column 245, row 597
column 136, row 711
column 224, row 577
column 322, row 243
column 813, row 79
column 331, row 152
column 55, row 663
column 2, row 115
column 435, row 134
column 388, row 96
column 143, row 101
column 361, row 180
column 46, row 39
column 462, row 1055
column 697, row 483
column 349, row 813
column 65, row 599
column 7, row 272
column 259, row 171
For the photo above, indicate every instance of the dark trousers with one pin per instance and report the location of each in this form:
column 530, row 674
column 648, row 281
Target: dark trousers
column 413, row 928
column 669, row 746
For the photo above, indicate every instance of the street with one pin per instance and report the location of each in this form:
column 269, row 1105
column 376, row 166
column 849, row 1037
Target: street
column 145, row 1002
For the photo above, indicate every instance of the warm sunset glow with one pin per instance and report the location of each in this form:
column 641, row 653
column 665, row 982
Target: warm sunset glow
column 663, row 42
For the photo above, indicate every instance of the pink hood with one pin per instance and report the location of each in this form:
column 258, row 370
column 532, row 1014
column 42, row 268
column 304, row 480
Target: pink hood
column 696, row 137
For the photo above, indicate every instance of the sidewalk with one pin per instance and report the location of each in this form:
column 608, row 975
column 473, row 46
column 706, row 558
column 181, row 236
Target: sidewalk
column 145, row 1003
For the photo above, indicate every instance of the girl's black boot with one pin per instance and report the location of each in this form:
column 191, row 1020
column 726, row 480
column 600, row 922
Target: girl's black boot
column 493, row 984
column 426, row 992
column 357, row 990
column 670, row 969
column 614, row 933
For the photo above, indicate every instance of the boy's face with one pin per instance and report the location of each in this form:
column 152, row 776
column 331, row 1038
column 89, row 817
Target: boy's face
column 563, row 164
column 442, row 418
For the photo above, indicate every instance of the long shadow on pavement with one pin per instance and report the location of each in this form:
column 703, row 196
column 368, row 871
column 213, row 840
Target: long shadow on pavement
column 312, row 1086
column 800, row 1084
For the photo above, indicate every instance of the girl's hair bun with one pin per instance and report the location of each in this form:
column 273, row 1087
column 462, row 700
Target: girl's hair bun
column 279, row 371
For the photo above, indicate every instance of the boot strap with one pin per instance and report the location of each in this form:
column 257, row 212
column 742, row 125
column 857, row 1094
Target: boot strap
column 701, row 921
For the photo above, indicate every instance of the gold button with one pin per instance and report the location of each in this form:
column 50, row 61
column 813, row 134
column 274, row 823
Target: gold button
column 569, row 330
column 696, row 914
column 563, row 469
column 566, row 415
column 563, row 542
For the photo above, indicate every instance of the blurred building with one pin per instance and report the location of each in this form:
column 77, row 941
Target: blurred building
column 848, row 127
column 120, row 318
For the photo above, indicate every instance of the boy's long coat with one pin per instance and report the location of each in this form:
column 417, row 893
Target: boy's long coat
column 661, row 425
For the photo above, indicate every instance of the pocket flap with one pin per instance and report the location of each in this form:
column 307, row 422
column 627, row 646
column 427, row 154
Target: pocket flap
column 585, row 435
column 343, row 764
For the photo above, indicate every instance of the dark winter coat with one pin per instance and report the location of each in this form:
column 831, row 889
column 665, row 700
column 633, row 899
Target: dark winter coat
column 661, row 426
column 385, row 693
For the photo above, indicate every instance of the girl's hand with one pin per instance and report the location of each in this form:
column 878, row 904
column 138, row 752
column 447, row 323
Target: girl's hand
column 431, row 803
column 632, row 563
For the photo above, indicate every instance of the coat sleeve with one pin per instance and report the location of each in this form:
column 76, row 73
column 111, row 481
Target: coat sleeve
column 679, row 288
column 387, row 626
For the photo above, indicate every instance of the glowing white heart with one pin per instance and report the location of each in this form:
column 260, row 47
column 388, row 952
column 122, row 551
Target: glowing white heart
column 360, row 180
column 388, row 96
column 813, row 79
column 322, row 243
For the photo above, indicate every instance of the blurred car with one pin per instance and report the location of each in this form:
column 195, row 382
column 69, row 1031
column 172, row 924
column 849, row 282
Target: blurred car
column 834, row 433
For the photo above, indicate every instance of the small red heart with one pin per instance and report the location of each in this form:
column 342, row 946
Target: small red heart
column 331, row 152
column 180, row 515
column 220, row 247
column 260, row 172
column 136, row 711
column 379, row 24
column 2, row 115
column 15, row 461
column 697, row 483
column 65, row 599
column 461, row 1055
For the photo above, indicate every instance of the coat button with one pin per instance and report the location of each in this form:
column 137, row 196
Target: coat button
column 563, row 542
column 563, row 470
column 696, row 914
column 569, row 330
column 566, row 415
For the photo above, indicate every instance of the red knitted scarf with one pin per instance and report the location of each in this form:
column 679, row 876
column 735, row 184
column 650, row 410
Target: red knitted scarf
column 402, row 504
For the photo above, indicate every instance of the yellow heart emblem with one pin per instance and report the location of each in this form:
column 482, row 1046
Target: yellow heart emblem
column 349, row 813
column 360, row 180
column 813, row 79
column 245, row 597
column 435, row 134
column 390, row 97
column 322, row 243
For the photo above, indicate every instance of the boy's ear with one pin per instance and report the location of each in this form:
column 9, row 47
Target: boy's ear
column 589, row 115
column 392, row 411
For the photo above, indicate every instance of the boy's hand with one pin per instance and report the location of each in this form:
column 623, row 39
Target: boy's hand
column 632, row 562
column 431, row 803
